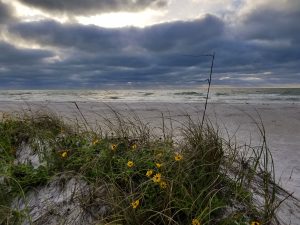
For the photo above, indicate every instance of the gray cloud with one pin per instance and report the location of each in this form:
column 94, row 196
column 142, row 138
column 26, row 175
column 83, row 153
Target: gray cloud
column 19, row 66
column 6, row 13
column 85, row 38
column 87, row 7
column 277, row 23
column 12, row 56
column 266, row 24
column 163, row 44
column 181, row 35
column 94, row 56
column 272, row 34
column 91, row 56
column 172, row 36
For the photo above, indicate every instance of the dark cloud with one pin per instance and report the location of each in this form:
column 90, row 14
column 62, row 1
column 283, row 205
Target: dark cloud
column 277, row 23
column 173, row 36
column 85, row 38
column 181, row 35
column 90, row 56
column 94, row 56
column 6, row 13
column 18, row 66
column 270, row 39
column 12, row 56
column 273, row 25
column 87, row 7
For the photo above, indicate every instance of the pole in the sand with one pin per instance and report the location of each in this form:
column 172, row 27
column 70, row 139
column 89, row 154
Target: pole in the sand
column 208, row 80
column 209, row 83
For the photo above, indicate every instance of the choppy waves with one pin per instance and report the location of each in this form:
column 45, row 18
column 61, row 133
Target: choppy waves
column 217, row 95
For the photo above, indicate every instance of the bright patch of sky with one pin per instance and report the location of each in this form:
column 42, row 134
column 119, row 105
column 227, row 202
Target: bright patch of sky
column 175, row 10
column 121, row 19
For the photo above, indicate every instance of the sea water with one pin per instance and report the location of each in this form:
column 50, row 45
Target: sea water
column 216, row 95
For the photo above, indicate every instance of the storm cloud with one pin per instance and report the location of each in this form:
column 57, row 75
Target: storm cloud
column 11, row 55
column 173, row 36
column 6, row 13
column 277, row 23
column 86, row 7
column 262, row 47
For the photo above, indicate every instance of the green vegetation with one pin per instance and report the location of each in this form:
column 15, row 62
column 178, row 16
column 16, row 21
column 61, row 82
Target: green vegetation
column 202, row 179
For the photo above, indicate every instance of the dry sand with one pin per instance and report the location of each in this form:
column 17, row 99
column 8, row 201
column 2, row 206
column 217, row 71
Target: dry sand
column 281, row 122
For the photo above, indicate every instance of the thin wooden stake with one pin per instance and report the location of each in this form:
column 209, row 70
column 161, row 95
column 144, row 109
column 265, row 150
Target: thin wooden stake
column 209, row 83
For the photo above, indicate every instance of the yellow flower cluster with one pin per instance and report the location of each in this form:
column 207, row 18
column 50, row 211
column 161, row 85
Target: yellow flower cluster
column 135, row 204
column 158, row 165
column 113, row 147
column 64, row 154
column 149, row 173
column 130, row 164
column 178, row 157
column 163, row 185
column 196, row 222
column 134, row 146
column 156, row 178
column 255, row 223
column 95, row 141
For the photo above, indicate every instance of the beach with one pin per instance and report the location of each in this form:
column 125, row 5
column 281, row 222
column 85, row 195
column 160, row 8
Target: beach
column 237, row 122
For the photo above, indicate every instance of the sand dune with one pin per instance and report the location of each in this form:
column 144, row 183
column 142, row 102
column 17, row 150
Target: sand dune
column 281, row 122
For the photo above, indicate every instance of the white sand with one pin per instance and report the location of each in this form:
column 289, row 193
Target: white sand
column 281, row 122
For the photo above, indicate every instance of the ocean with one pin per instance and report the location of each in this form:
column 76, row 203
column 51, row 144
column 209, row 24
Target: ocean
column 217, row 95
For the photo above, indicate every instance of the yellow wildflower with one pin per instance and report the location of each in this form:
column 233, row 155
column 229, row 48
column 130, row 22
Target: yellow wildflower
column 196, row 222
column 163, row 185
column 113, row 147
column 135, row 204
column 178, row 157
column 149, row 173
column 158, row 165
column 134, row 146
column 156, row 178
column 255, row 223
column 130, row 164
column 64, row 154
column 96, row 141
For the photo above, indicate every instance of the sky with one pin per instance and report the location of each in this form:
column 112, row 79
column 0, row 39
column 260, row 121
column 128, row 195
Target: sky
column 90, row 44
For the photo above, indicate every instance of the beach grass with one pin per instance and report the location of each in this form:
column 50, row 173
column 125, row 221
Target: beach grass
column 133, row 176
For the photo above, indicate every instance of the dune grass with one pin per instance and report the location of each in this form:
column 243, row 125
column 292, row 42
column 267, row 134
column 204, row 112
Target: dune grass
column 202, row 179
